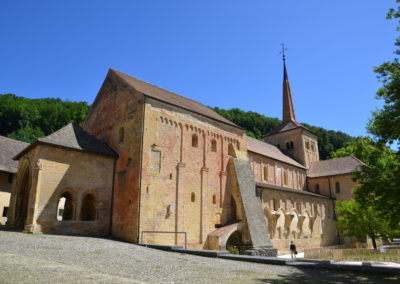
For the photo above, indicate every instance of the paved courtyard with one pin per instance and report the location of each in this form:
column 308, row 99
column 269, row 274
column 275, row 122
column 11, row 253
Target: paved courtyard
column 29, row 258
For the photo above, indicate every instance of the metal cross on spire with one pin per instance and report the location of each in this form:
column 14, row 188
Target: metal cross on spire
column 283, row 49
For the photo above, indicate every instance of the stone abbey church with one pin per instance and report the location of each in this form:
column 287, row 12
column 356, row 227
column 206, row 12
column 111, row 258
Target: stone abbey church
column 151, row 166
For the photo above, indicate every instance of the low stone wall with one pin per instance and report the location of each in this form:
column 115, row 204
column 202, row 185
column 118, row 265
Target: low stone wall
column 352, row 254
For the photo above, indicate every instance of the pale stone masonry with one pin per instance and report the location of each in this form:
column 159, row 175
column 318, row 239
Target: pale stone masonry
column 8, row 168
column 151, row 166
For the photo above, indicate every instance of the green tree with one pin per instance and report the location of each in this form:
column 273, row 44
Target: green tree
column 360, row 220
column 385, row 122
column 28, row 119
column 373, row 154
column 27, row 134
column 378, row 182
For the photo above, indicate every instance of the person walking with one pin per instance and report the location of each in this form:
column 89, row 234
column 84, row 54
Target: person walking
column 293, row 250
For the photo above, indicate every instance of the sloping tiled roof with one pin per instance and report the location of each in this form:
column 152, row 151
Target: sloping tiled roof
column 333, row 167
column 74, row 137
column 8, row 149
column 158, row 93
column 266, row 149
column 286, row 126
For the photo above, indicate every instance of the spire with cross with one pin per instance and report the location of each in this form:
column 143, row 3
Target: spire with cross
column 288, row 106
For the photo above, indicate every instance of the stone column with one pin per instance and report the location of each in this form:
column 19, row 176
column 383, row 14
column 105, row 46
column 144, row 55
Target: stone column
column 203, row 204
column 34, row 209
column 179, row 194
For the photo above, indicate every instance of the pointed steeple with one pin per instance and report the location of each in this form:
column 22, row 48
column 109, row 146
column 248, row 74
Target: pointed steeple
column 288, row 106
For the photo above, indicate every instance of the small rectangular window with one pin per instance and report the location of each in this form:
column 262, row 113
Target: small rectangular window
column 155, row 161
column 5, row 211
column 337, row 187
column 307, row 145
column 10, row 178
column 313, row 146
column 266, row 173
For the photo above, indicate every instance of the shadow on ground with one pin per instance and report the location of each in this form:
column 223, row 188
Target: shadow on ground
column 331, row 276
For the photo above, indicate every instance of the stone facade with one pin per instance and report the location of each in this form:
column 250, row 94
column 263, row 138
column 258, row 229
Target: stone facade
column 338, row 187
column 181, row 170
column 45, row 175
column 306, row 219
column 6, row 180
column 184, row 173
column 298, row 143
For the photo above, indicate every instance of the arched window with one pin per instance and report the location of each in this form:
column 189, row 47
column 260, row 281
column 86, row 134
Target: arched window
column 193, row 197
column 291, row 145
column 337, row 187
column 65, row 207
column 195, row 140
column 121, row 135
column 214, row 199
column 266, row 173
column 231, row 150
column 276, row 206
column 213, row 145
column 285, row 177
column 317, row 188
column 88, row 210
column 287, row 145
column 307, row 145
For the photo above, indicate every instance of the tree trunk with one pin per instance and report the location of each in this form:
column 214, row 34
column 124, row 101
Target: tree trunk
column 373, row 242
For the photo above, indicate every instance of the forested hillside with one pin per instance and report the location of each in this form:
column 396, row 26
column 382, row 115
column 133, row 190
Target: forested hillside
column 28, row 119
column 257, row 125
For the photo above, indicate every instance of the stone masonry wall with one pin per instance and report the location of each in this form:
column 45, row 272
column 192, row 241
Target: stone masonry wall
column 5, row 193
column 61, row 170
column 302, row 150
column 327, row 186
column 307, row 220
column 117, row 118
column 296, row 177
column 184, row 186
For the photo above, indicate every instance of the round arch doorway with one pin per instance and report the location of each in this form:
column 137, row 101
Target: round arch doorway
column 22, row 199
column 234, row 241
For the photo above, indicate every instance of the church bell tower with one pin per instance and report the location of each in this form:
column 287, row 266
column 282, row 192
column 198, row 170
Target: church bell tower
column 291, row 137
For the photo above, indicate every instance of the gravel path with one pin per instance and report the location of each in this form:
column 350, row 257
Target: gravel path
column 26, row 258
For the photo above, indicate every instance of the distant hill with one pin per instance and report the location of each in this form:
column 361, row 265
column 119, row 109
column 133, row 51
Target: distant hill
column 28, row 119
column 257, row 125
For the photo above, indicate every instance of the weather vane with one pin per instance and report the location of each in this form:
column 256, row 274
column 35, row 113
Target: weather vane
column 283, row 52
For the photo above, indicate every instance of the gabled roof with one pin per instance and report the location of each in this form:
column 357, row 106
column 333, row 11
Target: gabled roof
column 72, row 136
column 160, row 94
column 332, row 167
column 268, row 150
column 8, row 149
column 286, row 126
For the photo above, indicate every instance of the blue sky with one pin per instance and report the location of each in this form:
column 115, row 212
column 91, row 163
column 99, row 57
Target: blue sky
column 222, row 53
